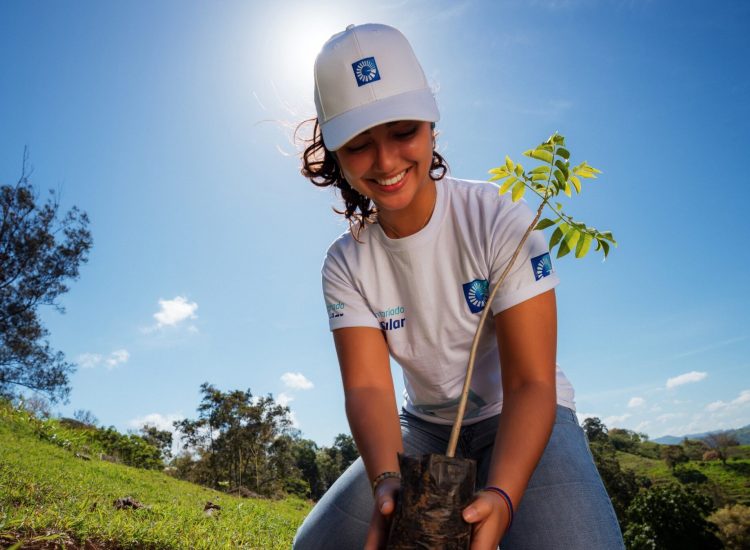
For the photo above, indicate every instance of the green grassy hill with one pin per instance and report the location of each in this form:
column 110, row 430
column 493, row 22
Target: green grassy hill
column 726, row 484
column 49, row 498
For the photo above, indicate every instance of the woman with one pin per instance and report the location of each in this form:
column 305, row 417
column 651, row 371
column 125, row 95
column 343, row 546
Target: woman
column 410, row 280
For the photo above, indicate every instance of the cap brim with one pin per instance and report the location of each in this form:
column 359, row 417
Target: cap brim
column 412, row 105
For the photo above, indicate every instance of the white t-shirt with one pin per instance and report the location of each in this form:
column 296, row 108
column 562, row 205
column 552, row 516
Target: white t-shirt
column 426, row 293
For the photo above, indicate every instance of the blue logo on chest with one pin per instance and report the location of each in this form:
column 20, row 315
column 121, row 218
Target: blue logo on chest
column 476, row 293
column 366, row 71
column 542, row 266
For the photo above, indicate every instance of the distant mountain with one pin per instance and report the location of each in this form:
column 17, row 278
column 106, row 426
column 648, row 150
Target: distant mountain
column 742, row 435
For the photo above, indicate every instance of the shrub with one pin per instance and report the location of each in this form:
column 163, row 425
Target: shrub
column 734, row 526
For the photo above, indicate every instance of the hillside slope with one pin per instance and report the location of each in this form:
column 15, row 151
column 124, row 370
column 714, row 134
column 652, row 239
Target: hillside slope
column 49, row 498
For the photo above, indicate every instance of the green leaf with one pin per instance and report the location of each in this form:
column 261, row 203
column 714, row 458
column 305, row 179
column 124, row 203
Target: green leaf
column 497, row 177
column 541, row 169
column 505, row 186
column 539, row 154
column 544, row 223
column 605, row 246
column 567, row 189
column 608, row 236
column 502, row 170
column 557, row 234
column 539, row 177
column 576, row 183
column 585, row 171
column 563, row 152
column 562, row 165
column 583, row 245
column 509, row 163
column 558, row 206
column 518, row 190
column 518, row 170
column 559, row 177
column 568, row 242
column 557, row 138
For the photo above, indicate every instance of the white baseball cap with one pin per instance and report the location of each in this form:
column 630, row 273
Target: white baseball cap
column 365, row 76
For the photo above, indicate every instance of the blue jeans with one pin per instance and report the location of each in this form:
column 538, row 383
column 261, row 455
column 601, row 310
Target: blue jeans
column 565, row 505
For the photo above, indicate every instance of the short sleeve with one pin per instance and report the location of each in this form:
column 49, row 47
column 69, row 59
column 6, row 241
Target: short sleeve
column 345, row 305
column 531, row 273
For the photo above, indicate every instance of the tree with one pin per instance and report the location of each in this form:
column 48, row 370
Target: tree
column 595, row 429
column 39, row 253
column 236, row 435
column 673, row 455
column 621, row 485
column 85, row 417
column 721, row 442
column 161, row 439
column 668, row 516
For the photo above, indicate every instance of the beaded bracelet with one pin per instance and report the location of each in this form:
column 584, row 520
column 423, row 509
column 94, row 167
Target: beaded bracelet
column 381, row 477
column 506, row 499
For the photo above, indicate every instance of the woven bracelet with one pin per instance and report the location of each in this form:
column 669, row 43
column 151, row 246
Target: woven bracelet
column 385, row 475
column 506, row 499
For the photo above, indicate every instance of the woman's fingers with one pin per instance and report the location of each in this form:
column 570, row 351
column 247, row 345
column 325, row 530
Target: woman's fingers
column 489, row 518
column 385, row 504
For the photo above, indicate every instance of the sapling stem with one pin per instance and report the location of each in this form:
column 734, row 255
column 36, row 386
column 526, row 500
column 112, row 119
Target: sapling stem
column 453, row 441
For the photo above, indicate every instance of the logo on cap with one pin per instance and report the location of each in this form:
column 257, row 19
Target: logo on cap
column 542, row 266
column 366, row 71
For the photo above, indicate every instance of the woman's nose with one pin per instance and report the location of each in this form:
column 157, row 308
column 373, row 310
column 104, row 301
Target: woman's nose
column 387, row 156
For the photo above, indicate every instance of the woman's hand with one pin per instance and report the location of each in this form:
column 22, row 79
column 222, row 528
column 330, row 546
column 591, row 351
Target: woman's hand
column 386, row 495
column 489, row 517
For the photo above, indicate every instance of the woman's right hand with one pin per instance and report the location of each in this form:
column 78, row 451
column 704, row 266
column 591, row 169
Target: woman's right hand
column 386, row 495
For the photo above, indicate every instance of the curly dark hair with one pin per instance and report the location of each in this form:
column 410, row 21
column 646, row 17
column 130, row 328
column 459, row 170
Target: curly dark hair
column 319, row 165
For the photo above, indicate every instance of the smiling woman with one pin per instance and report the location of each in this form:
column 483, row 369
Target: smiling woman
column 409, row 281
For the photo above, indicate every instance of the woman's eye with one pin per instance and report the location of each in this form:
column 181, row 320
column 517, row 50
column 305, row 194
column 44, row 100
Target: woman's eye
column 356, row 148
column 406, row 133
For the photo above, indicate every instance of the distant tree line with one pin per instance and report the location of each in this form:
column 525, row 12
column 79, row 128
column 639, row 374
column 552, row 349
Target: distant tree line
column 246, row 444
column 679, row 514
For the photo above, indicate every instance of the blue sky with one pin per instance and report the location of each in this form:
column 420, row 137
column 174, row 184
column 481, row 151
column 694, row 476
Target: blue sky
column 170, row 124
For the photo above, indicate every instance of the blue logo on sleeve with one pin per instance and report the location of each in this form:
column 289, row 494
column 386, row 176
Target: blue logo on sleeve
column 366, row 71
column 542, row 266
column 476, row 293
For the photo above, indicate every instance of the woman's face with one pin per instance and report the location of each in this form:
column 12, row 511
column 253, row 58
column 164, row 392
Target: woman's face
column 389, row 163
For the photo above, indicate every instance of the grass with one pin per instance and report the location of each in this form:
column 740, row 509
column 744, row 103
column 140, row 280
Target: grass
column 726, row 484
column 48, row 496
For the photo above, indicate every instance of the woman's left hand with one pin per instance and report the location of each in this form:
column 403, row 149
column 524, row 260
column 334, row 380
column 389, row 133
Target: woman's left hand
column 489, row 517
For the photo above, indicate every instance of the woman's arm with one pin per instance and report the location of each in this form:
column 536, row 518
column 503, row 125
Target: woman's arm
column 373, row 416
column 527, row 339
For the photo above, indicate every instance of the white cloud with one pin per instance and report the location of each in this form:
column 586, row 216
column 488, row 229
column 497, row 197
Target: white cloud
column 161, row 421
column 296, row 381
column 89, row 360
column 668, row 416
column 744, row 397
column 93, row 360
column 636, row 402
column 741, row 399
column 614, row 421
column 687, row 378
column 583, row 416
column 284, row 399
column 293, row 418
column 117, row 357
column 172, row 312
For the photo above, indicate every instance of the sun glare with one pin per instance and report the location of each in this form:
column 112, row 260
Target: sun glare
column 300, row 39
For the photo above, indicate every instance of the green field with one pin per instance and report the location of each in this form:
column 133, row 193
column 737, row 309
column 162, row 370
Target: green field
column 726, row 484
column 49, row 496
